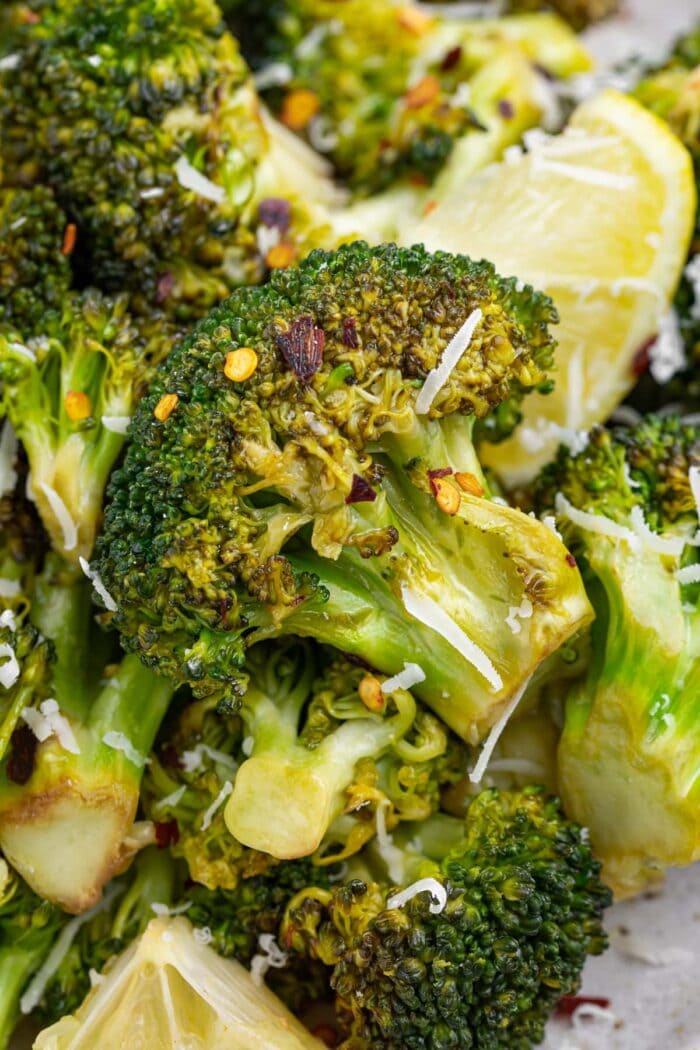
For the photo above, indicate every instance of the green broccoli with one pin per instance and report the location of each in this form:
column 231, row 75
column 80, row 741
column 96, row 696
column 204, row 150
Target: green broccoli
column 75, row 732
column 478, row 954
column 626, row 506
column 389, row 92
column 142, row 118
column 302, row 465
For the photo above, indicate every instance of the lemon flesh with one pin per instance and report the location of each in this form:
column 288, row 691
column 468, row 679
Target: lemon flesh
column 169, row 991
column 600, row 217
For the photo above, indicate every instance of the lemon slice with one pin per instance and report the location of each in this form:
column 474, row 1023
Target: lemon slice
column 601, row 218
column 169, row 991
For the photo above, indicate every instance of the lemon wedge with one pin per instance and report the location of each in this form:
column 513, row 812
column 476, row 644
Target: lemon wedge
column 169, row 991
column 601, row 218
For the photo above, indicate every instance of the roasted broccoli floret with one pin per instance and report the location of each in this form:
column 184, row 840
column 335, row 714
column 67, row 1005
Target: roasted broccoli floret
column 29, row 927
column 76, row 730
column 304, row 464
column 472, row 944
column 388, row 91
column 142, row 118
column 628, row 767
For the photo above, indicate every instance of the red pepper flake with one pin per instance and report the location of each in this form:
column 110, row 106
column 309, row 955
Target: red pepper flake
column 433, row 475
column 169, row 757
column 569, row 1004
column 164, row 287
column 361, row 491
column 70, row 235
column 640, row 361
column 451, row 58
column 167, row 833
column 275, row 212
column 350, row 336
column 302, row 347
column 570, row 560
column 20, row 764
column 506, row 108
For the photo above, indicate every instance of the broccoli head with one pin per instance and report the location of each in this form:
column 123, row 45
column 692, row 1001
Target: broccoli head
column 478, row 953
column 304, row 464
column 628, row 757
column 142, row 118
column 77, row 724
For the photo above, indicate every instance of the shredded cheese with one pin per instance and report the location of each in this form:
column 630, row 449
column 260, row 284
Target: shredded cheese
column 596, row 523
column 479, row 769
column 273, row 75
column 451, row 355
column 390, row 854
column 8, row 588
column 37, row 986
column 411, row 675
column 688, row 574
column 270, row 955
column 592, row 1012
column 516, row 613
column 551, row 523
column 7, row 619
column 428, row 612
column 8, row 457
column 669, row 545
column 48, row 721
column 203, row 935
column 9, row 62
column 171, row 800
column 436, row 890
column 192, row 760
column 163, row 909
column 191, row 179
column 247, row 746
column 66, row 523
column 216, row 804
column 100, row 589
column 9, row 670
column 117, row 424
column 667, row 353
column 120, row 742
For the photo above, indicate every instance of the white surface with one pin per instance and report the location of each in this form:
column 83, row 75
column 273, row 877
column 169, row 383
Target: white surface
column 656, row 1007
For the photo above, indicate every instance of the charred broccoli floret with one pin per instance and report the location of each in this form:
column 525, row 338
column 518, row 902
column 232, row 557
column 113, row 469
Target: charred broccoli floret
column 478, row 954
column 76, row 730
column 389, row 92
column 142, row 118
column 304, row 464
column 628, row 767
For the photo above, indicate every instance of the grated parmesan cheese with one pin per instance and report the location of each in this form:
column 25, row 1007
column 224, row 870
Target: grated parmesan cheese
column 192, row 760
column 9, row 670
column 172, row 799
column 411, row 675
column 551, row 523
column 100, row 589
column 436, row 890
column 48, row 721
column 23, row 351
column 8, row 457
column 479, row 769
column 593, row 1012
column 247, row 746
column 270, row 955
column 191, row 179
column 7, row 619
column 688, row 574
column 451, row 355
column 116, row 424
column 210, row 813
column 516, row 613
column 669, row 545
column 66, row 523
column 120, row 742
column 202, row 935
column 37, row 986
column 163, row 910
column 428, row 612
column 9, row 62
column 596, row 523
column 390, row 854
column 667, row 353
column 273, row 75
column 8, row 588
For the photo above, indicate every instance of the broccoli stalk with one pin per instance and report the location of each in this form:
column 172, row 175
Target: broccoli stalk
column 315, row 495
column 628, row 760
column 480, row 953
column 68, row 803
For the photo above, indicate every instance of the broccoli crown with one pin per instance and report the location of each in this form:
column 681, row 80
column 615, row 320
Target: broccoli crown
column 34, row 267
column 104, row 101
column 221, row 472
column 69, row 392
column 522, row 910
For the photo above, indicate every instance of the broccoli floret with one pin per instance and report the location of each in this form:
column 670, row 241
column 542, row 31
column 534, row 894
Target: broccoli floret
column 387, row 91
column 143, row 120
column 69, row 392
column 627, row 757
column 75, row 734
column 29, row 927
column 479, row 955
column 283, row 477
column 580, row 13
